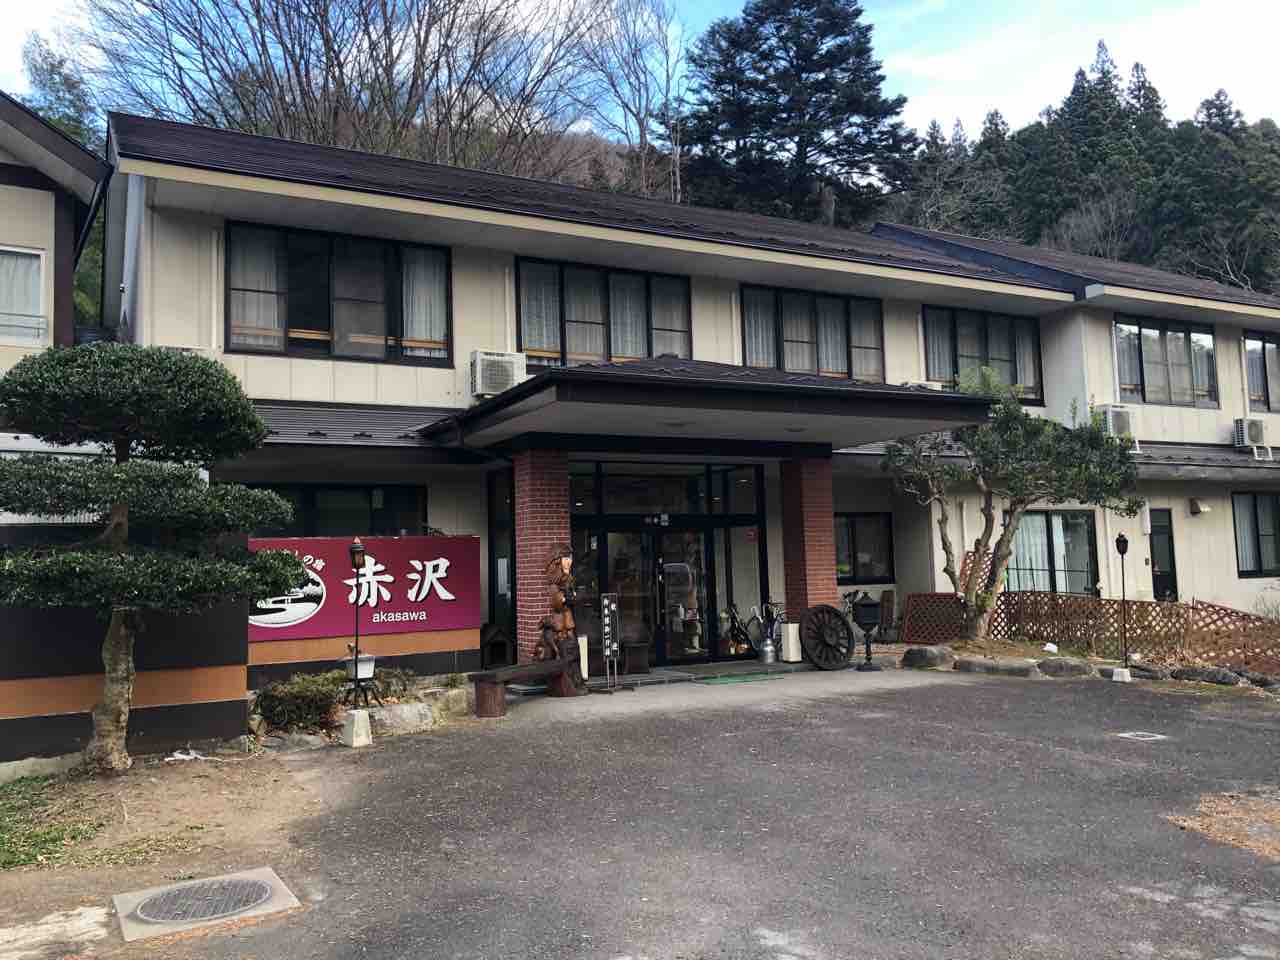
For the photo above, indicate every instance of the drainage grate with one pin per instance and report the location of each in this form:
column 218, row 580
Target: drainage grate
column 206, row 900
column 1141, row 736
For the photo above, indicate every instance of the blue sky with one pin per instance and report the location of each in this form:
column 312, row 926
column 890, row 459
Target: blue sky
column 959, row 58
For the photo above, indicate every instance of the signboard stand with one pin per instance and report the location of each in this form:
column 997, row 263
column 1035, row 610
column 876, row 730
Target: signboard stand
column 610, row 638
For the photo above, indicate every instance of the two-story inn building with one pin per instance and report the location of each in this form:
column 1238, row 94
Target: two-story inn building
column 439, row 348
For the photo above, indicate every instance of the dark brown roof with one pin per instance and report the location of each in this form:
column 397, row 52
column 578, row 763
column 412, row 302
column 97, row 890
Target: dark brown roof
column 227, row 151
column 672, row 371
column 342, row 424
column 1068, row 271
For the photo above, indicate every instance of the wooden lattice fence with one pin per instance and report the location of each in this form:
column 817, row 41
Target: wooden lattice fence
column 1197, row 632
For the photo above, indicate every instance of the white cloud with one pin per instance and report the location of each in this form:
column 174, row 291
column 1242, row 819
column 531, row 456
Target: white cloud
column 21, row 17
column 1189, row 49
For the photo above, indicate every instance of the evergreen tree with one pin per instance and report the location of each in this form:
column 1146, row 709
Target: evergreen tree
column 788, row 102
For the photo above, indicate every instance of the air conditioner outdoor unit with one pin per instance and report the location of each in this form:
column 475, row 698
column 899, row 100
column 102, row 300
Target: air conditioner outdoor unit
column 926, row 384
column 1250, row 432
column 1121, row 422
column 493, row 372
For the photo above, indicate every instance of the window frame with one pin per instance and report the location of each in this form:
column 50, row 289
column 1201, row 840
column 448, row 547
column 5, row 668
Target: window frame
column 394, row 284
column 1266, row 339
column 1261, row 572
column 953, row 384
column 852, row 579
column 605, row 272
column 1095, row 568
column 46, row 337
column 1163, row 326
column 779, row 329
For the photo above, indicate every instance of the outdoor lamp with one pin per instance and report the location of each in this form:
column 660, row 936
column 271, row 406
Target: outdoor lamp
column 1122, row 675
column 357, row 554
column 866, row 611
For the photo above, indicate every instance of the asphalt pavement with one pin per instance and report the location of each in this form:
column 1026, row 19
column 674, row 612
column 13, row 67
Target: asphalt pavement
column 813, row 817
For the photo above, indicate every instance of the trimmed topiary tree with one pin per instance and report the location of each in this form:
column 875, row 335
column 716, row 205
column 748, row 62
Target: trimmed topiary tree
column 157, row 415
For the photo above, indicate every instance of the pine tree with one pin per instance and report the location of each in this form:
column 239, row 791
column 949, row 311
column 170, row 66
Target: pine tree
column 787, row 101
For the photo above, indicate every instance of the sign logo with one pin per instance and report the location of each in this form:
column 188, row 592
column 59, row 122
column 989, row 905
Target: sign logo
column 297, row 606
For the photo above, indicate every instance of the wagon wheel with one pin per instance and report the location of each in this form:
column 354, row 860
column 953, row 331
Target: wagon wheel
column 826, row 637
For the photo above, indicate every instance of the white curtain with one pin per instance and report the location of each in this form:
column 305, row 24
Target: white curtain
column 671, row 333
column 939, row 358
column 20, row 318
column 866, row 340
column 800, row 344
column 1256, row 370
column 584, row 315
column 628, row 334
column 1272, row 354
column 1155, row 368
column 833, row 336
column 1129, row 356
column 425, row 303
column 540, row 311
column 1029, row 565
column 1178, row 344
column 1247, row 554
column 758, row 315
column 1000, row 348
column 1203, row 372
column 258, row 288
column 1267, row 553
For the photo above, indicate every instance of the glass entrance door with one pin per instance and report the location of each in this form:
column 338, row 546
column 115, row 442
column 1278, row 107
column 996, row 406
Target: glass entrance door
column 682, row 596
column 1164, row 568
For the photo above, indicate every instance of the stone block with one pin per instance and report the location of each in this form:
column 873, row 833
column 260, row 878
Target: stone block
column 999, row 666
column 1217, row 675
column 355, row 729
column 924, row 658
column 1065, row 667
column 397, row 718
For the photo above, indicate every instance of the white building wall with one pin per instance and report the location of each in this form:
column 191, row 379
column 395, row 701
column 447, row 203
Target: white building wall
column 27, row 224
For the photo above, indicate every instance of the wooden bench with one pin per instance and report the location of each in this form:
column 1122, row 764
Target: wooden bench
column 491, row 685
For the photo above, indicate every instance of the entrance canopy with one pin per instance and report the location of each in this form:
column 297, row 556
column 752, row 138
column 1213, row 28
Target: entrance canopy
column 680, row 405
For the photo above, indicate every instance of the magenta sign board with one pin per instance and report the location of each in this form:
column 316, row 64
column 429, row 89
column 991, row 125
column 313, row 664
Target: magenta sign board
column 407, row 584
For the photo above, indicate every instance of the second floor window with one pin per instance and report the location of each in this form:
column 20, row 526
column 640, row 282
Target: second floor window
column 803, row 332
column 1262, row 362
column 958, row 343
column 21, row 319
column 1160, row 362
column 571, row 314
column 320, row 295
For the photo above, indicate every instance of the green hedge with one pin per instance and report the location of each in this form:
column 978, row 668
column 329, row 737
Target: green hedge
column 306, row 700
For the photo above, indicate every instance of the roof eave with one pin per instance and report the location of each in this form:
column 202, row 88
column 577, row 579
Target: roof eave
column 1133, row 298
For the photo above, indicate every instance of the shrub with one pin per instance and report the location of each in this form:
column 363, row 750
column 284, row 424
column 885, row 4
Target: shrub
column 453, row 680
column 393, row 681
column 305, row 701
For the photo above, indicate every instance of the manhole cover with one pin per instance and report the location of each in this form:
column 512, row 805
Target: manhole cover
column 206, row 900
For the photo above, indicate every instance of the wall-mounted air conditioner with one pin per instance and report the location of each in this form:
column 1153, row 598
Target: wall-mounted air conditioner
column 1249, row 432
column 492, row 372
column 1121, row 421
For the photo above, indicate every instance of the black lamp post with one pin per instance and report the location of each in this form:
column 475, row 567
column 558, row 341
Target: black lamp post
column 867, row 614
column 1122, row 547
column 357, row 564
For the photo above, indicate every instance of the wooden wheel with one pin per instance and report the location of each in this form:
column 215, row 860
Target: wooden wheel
column 826, row 637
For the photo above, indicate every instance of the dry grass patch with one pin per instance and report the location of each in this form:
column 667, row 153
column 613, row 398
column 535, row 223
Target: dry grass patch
column 1248, row 820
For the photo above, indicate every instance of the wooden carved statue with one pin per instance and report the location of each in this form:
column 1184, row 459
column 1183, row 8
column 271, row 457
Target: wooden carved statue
column 559, row 639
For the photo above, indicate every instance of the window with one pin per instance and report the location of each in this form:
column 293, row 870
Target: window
column 958, row 343
column 21, row 318
column 1262, row 363
column 812, row 333
column 315, row 294
column 864, row 548
column 1056, row 551
column 348, row 511
column 1257, row 523
column 1159, row 362
column 572, row 314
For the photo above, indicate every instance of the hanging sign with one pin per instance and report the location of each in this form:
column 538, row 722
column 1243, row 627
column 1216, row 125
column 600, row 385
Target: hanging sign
column 407, row 585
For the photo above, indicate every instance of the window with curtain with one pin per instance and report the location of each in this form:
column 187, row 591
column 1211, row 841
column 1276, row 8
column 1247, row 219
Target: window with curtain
column 574, row 314
column 959, row 343
column 1169, row 363
column 324, row 295
column 1262, row 364
column 21, row 319
column 424, row 303
column 864, row 548
column 804, row 332
column 1054, row 551
column 1256, row 517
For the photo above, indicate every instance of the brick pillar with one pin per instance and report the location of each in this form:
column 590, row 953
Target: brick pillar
column 808, row 535
column 542, row 522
